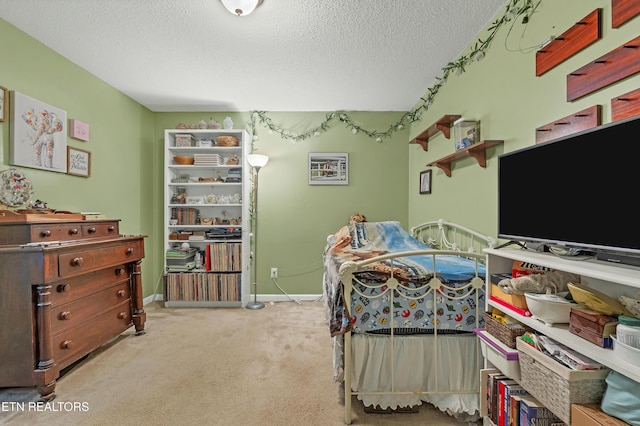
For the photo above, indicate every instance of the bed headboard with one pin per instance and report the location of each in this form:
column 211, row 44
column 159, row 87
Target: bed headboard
column 443, row 235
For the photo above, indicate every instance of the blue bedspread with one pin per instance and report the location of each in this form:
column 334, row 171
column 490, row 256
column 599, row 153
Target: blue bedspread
column 369, row 239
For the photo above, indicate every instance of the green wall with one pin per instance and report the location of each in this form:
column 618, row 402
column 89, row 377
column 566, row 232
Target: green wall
column 503, row 92
column 126, row 143
column 296, row 218
column 120, row 136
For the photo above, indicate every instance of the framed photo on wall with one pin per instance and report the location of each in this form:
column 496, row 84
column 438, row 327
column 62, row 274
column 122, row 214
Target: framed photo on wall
column 4, row 102
column 38, row 134
column 425, row 182
column 328, row 168
column 79, row 162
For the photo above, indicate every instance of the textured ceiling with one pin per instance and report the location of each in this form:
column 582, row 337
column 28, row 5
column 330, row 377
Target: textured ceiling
column 288, row 55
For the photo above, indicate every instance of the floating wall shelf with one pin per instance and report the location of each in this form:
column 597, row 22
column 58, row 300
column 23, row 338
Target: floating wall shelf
column 576, row 38
column 625, row 106
column 623, row 10
column 582, row 120
column 477, row 151
column 614, row 66
column 442, row 125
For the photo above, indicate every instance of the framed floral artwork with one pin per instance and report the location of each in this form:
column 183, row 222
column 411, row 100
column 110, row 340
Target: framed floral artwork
column 38, row 134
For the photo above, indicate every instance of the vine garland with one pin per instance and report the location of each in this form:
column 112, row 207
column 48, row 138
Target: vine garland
column 513, row 10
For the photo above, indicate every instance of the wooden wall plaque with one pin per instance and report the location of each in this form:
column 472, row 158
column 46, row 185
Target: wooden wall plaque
column 614, row 66
column 625, row 106
column 623, row 10
column 585, row 32
column 581, row 120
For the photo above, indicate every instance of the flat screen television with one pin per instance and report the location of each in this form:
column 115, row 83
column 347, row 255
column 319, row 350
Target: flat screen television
column 578, row 191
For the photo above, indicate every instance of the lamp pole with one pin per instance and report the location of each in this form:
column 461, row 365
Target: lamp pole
column 257, row 161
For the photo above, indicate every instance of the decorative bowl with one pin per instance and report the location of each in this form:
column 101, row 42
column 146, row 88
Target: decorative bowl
column 550, row 308
column 181, row 159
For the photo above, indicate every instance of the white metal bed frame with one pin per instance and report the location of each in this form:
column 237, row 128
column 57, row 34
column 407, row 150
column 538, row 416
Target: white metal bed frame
column 439, row 234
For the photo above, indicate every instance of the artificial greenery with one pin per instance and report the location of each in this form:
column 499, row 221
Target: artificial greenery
column 514, row 10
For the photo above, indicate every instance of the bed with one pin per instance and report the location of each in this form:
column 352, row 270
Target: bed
column 413, row 302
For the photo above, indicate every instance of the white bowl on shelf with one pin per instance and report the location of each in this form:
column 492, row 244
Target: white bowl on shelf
column 550, row 308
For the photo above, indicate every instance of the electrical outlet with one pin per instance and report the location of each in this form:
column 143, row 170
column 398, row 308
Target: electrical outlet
column 274, row 272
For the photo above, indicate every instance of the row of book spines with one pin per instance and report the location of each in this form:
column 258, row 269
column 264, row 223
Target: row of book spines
column 509, row 404
column 223, row 257
column 203, row 287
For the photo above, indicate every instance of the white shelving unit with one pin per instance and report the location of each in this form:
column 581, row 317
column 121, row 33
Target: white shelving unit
column 609, row 278
column 208, row 204
column 613, row 279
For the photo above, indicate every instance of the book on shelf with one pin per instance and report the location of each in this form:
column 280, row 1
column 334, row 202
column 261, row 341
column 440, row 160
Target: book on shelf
column 203, row 286
column 522, row 311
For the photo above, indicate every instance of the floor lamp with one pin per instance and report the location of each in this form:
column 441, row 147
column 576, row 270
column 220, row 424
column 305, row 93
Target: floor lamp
column 257, row 161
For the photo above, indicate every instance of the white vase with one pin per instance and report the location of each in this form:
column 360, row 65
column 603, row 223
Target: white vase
column 228, row 123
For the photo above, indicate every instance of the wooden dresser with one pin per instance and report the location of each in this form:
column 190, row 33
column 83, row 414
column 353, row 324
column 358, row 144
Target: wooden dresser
column 66, row 288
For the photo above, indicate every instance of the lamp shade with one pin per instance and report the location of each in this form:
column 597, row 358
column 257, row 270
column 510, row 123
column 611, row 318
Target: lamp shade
column 257, row 160
column 241, row 7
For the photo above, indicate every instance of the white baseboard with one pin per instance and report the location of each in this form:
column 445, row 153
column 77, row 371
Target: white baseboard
column 265, row 298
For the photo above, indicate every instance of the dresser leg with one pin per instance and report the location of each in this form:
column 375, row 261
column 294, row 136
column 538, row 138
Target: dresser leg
column 139, row 315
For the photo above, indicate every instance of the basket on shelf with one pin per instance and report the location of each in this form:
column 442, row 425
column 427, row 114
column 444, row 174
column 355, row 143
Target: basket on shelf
column 225, row 140
column 557, row 386
column 506, row 333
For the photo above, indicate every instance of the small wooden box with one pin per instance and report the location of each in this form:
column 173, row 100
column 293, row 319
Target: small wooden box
column 592, row 326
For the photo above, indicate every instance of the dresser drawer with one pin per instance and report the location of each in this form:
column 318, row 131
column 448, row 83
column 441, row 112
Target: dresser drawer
column 70, row 289
column 82, row 310
column 45, row 232
column 71, row 344
column 81, row 261
column 100, row 229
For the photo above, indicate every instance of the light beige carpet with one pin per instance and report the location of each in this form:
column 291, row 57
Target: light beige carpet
column 215, row 366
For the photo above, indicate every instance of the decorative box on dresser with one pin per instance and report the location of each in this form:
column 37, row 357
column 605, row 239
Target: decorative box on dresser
column 607, row 277
column 66, row 288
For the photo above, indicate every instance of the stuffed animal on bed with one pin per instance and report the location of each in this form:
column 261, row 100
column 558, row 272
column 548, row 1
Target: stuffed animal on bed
column 357, row 218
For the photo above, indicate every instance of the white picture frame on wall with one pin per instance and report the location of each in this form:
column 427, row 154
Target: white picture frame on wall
column 38, row 134
column 328, row 168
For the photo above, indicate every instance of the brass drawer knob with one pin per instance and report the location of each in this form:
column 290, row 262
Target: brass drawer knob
column 77, row 261
column 122, row 315
column 45, row 234
column 120, row 272
column 64, row 288
column 66, row 315
column 92, row 230
column 73, row 231
column 129, row 251
column 121, row 293
column 67, row 344
column 112, row 228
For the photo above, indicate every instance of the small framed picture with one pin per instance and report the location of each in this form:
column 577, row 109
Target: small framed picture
column 328, row 168
column 4, row 102
column 78, row 162
column 425, row 182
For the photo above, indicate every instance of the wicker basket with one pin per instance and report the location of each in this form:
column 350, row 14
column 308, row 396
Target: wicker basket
column 227, row 141
column 557, row 386
column 506, row 334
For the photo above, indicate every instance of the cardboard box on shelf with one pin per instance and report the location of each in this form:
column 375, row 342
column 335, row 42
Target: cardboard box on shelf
column 592, row 415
